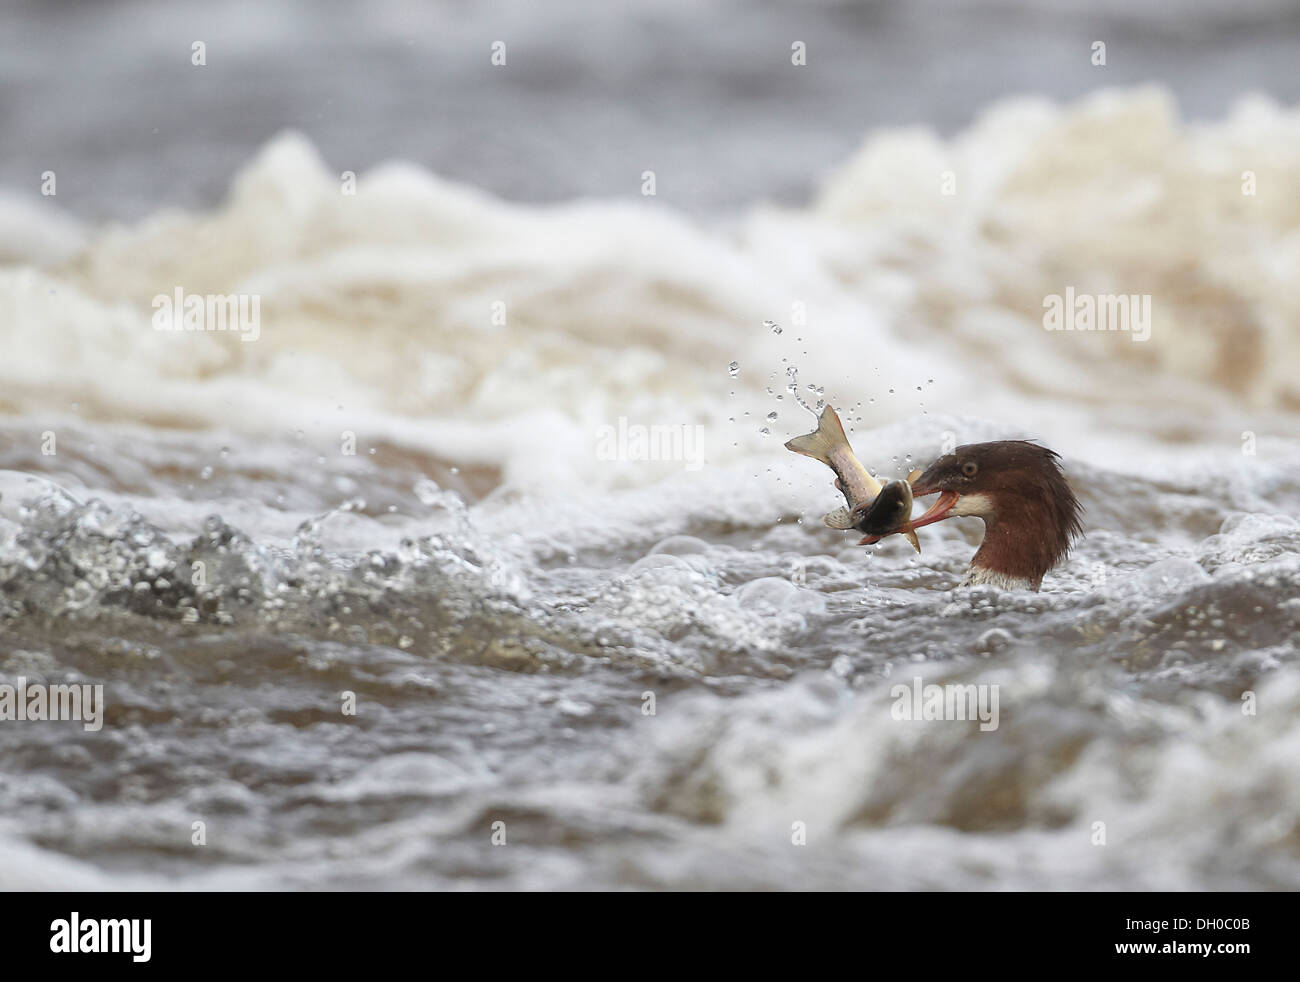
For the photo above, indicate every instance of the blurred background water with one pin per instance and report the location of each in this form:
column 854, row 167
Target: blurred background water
column 594, row 93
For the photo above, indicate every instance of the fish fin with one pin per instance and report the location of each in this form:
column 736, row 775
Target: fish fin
column 820, row 442
column 911, row 478
column 840, row 518
column 909, row 533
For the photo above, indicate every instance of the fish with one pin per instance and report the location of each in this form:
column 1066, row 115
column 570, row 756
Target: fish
column 871, row 507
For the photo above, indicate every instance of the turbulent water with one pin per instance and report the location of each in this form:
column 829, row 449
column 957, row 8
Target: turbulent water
column 576, row 668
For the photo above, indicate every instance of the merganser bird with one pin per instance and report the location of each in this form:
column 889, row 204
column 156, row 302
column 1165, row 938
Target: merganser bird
column 1030, row 513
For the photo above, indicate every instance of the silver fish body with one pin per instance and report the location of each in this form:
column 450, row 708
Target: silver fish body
column 828, row 444
column 870, row 508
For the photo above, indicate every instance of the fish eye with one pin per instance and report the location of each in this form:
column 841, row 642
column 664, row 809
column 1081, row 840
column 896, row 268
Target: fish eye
column 970, row 468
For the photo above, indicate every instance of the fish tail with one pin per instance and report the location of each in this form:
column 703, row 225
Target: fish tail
column 823, row 441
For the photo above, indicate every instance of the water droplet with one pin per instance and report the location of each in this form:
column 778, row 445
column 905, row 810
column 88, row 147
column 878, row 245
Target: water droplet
column 765, row 431
column 733, row 369
column 772, row 326
column 771, row 417
column 205, row 473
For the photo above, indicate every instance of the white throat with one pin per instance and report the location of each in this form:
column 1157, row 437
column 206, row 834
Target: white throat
column 972, row 504
column 982, row 576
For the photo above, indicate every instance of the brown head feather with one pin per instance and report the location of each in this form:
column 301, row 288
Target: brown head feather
column 1032, row 515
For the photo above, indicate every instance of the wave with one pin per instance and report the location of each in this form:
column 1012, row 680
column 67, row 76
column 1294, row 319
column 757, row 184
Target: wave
column 434, row 315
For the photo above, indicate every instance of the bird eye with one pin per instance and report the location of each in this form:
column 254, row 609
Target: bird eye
column 970, row 468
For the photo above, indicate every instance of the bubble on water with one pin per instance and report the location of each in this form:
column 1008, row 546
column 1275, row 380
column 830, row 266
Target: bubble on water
column 772, row 326
column 205, row 473
column 679, row 545
column 771, row 417
column 733, row 369
column 765, row 431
